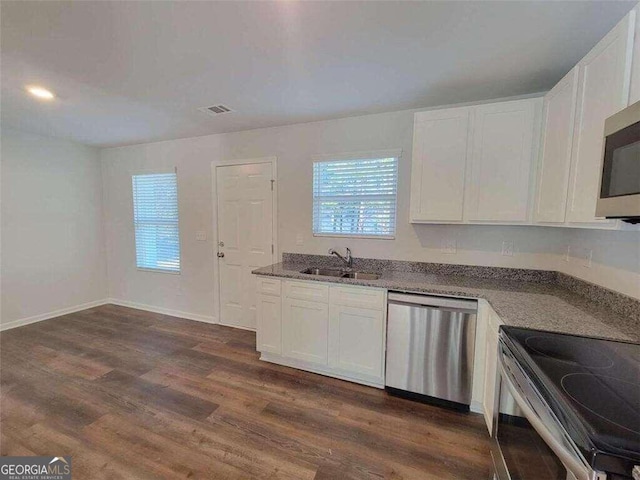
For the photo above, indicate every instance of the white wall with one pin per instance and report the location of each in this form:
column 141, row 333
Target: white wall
column 190, row 294
column 52, row 236
column 194, row 292
column 615, row 261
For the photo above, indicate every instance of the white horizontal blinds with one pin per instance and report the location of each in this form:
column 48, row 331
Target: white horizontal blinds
column 355, row 197
column 155, row 213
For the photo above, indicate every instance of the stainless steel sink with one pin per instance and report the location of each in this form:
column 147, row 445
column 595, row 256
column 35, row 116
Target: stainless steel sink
column 325, row 272
column 361, row 275
column 332, row 272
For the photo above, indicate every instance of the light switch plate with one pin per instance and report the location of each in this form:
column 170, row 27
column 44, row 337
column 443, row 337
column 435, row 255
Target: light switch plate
column 586, row 261
column 201, row 236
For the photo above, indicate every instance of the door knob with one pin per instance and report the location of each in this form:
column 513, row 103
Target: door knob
column 220, row 254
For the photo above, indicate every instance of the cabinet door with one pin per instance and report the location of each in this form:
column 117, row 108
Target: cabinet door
column 356, row 340
column 501, row 161
column 603, row 89
column 491, row 369
column 305, row 330
column 558, row 119
column 269, row 324
column 490, row 377
column 439, row 164
column 634, row 94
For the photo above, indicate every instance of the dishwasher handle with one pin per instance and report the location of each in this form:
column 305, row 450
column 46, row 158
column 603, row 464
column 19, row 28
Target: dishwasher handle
column 433, row 301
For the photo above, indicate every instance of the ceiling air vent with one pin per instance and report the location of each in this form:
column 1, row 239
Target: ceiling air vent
column 215, row 110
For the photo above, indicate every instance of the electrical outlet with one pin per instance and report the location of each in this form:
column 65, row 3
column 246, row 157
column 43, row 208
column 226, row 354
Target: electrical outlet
column 299, row 239
column 201, row 236
column 449, row 246
column 507, row 249
column 567, row 255
column 586, row 262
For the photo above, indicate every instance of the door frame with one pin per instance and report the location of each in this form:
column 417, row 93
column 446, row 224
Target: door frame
column 273, row 160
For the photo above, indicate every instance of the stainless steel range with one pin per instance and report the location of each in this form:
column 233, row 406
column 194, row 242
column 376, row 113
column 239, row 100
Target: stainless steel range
column 568, row 407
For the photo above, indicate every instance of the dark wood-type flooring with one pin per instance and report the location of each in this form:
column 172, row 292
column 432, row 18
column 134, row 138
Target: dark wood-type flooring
column 137, row 395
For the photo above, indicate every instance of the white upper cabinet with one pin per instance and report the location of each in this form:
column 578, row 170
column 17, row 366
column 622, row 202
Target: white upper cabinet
column 439, row 162
column 501, row 161
column 634, row 94
column 473, row 164
column 558, row 118
column 480, row 164
column 603, row 89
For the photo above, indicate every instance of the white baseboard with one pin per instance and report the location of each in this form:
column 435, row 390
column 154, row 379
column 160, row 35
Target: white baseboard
column 46, row 316
column 166, row 311
column 322, row 370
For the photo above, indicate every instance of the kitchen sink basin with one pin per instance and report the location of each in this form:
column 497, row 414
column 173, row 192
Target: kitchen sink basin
column 361, row 275
column 332, row 272
column 324, row 272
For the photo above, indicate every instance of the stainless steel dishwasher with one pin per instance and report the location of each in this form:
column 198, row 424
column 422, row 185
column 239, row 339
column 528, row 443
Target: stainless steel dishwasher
column 430, row 348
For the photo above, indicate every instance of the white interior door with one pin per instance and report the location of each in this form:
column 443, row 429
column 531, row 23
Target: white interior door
column 245, row 237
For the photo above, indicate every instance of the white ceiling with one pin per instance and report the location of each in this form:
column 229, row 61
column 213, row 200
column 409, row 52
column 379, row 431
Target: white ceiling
column 129, row 72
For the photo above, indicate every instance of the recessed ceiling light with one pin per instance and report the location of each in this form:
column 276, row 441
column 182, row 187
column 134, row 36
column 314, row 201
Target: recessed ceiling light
column 40, row 92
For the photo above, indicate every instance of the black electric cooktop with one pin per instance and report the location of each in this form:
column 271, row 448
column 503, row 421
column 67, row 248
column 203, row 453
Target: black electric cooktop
column 593, row 387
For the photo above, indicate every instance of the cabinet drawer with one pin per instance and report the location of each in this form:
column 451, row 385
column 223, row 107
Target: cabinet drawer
column 269, row 286
column 358, row 297
column 307, row 291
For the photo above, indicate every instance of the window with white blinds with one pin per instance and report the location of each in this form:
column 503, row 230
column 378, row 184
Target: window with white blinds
column 155, row 216
column 355, row 197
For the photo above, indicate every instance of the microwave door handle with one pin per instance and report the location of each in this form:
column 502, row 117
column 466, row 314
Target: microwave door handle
column 577, row 468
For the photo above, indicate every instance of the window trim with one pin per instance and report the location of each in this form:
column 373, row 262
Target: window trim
column 133, row 220
column 157, row 270
column 360, row 155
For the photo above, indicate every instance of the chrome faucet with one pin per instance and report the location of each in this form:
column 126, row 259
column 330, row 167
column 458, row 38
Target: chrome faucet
column 348, row 259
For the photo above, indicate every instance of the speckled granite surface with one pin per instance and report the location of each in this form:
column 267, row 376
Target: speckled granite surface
column 375, row 265
column 520, row 297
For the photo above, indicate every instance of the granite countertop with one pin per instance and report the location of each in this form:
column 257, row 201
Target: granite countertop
column 541, row 303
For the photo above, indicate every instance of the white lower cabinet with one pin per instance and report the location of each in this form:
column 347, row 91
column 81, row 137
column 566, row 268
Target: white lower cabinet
column 485, row 372
column 305, row 330
column 334, row 330
column 490, row 370
column 269, row 323
column 357, row 340
column 340, row 331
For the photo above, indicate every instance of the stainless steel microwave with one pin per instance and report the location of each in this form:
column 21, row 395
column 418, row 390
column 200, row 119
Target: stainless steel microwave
column 620, row 174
